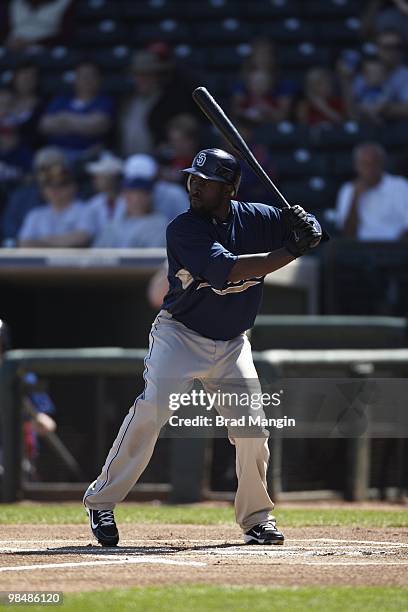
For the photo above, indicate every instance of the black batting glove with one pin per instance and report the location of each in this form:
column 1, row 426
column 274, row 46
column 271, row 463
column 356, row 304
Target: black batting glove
column 305, row 232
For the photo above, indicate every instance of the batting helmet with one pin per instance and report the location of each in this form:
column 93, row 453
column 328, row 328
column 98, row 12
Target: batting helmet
column 216, row 165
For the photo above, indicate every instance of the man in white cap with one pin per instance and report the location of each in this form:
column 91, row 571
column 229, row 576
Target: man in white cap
column 108, row 203
column 138, row 225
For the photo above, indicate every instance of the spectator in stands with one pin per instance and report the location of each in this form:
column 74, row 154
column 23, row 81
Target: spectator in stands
column 108, row 203
column 263, row 55
column 38, row 409
column 370, row 94
column 38, row 22
column 320, row 103
column 180, row 147
column 375, row 205
column 28, row 195
column 80, row 123
column 390, row 51
column 169, row 199
column 390, row 81
column 140, row 226
column 160, row 93
column 61, row 222
column 380, row 15
column 28, row 104
column 262, row 95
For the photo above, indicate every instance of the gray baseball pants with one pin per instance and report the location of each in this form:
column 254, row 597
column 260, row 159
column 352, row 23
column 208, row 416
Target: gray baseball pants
column 183, row 355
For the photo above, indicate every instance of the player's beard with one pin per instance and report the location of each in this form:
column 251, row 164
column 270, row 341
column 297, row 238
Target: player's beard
column 198, row 207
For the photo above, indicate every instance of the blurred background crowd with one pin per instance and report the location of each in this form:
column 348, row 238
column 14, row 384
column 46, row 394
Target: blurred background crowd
column 96, row 115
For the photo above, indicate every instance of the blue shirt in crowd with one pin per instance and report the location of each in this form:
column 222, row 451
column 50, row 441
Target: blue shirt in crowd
column 73, row 141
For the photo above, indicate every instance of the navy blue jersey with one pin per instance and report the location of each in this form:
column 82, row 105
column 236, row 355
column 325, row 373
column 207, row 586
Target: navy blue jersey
column 201, row 253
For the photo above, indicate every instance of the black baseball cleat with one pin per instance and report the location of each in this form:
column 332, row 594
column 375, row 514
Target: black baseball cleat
column 103, row 526
column 264, row 533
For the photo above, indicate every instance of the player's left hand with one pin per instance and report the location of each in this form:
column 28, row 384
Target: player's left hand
column 296, row 216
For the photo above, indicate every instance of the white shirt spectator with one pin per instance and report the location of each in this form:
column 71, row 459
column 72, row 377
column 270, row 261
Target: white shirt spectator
column 98, row 213
column 146, row 231
column 35, row 23
column 382, row 210
column 47, row 221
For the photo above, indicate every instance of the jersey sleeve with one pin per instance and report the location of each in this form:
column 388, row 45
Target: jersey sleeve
column 200, row 254
column 270, row 228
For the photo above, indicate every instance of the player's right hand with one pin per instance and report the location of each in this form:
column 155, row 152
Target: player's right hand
column 305, row 230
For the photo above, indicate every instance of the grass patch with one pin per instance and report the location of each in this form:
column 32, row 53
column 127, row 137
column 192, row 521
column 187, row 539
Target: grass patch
column 209, row 599
column 196, row 514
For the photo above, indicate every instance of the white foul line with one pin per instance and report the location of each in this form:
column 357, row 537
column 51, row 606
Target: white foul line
column 22, row 568
column 381, row 542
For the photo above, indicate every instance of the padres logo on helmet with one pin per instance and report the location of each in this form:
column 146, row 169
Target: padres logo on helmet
column 217, row 165
column 200, row 159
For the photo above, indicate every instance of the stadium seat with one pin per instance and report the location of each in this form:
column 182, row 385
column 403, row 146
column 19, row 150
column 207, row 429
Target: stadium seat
column 228, row 30
column 195, row 57
column 213, row 9
column 340, row 164
column 282, row 136
column 111, row 58
column 339, row 32
column 342, row 136
column 329, row 9
column 315, row 194
column 58, row 58
column 273, row 9
column 168, row 30
column 10, row 59
column 227, row 57
column 302, row 162
column 95, row 10
column 150, row 10
column 395, row 135
column 103, row 34
column 304, row 55
column 285, row 31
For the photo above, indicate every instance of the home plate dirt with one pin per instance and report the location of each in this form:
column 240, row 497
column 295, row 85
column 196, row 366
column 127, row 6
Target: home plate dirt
column 64, row 558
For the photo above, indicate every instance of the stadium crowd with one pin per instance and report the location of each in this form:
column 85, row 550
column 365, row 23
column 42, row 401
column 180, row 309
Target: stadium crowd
column 89, row 168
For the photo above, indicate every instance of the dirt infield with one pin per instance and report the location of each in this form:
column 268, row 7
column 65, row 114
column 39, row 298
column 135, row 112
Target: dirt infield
column 64, row 558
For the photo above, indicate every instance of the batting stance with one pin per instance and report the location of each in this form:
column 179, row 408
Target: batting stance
column 219, row 252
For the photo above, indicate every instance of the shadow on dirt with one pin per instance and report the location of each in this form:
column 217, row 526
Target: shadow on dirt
column 94, row 549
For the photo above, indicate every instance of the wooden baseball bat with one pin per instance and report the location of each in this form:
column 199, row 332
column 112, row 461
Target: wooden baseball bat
column 217, row 116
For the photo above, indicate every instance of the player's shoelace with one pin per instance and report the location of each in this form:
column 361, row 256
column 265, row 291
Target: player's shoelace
column 268, row 525
column 106, row 518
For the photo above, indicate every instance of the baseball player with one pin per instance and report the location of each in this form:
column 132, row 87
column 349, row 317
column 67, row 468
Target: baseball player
column 219, row 252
